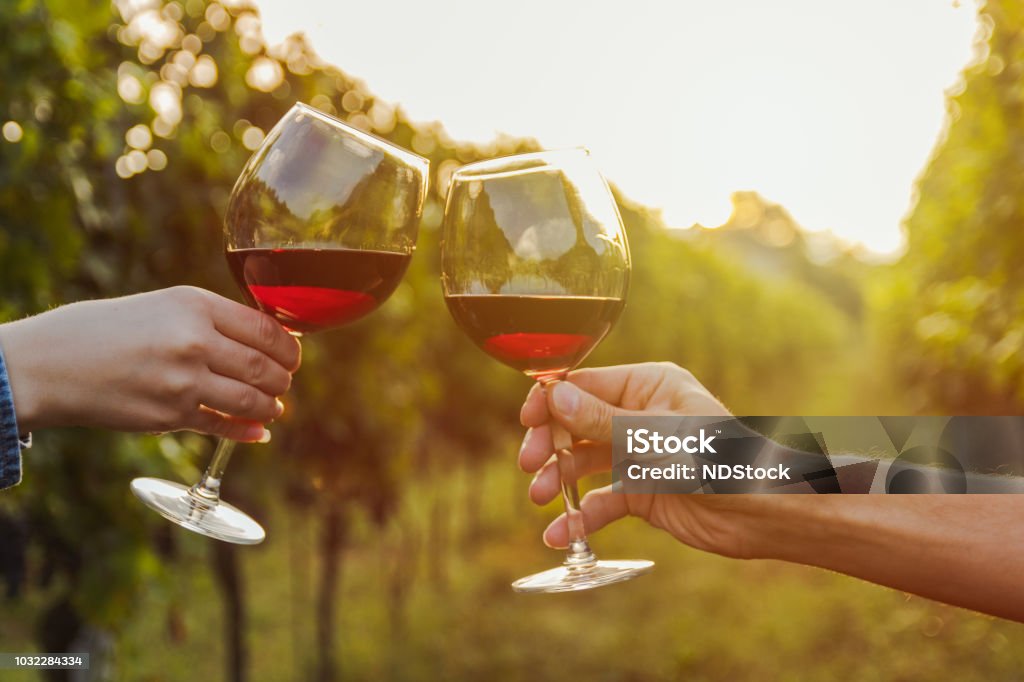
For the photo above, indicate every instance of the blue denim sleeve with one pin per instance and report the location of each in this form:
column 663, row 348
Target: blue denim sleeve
column 10, row 442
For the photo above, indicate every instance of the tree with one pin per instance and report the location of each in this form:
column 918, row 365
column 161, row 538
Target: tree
column 954, row 310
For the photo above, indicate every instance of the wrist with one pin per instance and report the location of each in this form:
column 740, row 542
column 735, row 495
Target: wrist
column 836, row 532
column 803, row 529
column 16, row 343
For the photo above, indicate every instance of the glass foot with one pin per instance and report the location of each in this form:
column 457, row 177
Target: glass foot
column 218, row 520
column 572, row 578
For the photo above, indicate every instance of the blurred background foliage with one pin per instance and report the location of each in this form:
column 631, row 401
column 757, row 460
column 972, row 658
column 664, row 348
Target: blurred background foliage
column 957, row 298
column 396, row 517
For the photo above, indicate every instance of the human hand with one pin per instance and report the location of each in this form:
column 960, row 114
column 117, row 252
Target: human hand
column 584, row 404
column 952, row 548
column 166, row 360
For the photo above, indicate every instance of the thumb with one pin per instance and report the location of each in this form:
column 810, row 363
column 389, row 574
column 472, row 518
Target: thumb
column 583, row 415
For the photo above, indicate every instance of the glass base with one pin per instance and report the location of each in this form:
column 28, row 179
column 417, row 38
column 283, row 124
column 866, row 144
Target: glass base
column 573, row 578
column 177, row 503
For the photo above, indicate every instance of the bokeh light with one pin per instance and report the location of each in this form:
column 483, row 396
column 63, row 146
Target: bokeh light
column 157, row 159
column 139, row 137
column 252, row 137
column 265, row 74
column 204, row 72
column 12, row 131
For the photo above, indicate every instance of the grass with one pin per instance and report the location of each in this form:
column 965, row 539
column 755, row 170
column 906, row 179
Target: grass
column 427, row 597
column 697, row 616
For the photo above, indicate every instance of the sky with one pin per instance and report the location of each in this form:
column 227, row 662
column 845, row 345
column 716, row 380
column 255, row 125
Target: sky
column 829, row 108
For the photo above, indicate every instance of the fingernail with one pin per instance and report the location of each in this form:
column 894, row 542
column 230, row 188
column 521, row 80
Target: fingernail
column 547, row 530
column 280, row 406
column 526, row 439
column 533, row 481
column 566, row 398
column 265, row 438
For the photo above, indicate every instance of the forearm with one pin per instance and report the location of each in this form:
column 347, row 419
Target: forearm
column 959, row 549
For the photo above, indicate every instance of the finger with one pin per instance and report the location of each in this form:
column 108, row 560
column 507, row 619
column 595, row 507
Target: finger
column 610, row 383
column 640, row 387
column 600, row 507
column 536, row 449
column 606, row 383
column 582, row 414
column 588, row 458
column 238, row 399
column 248, row 365
column 535, row 408
column 214, row 423
column 256, row 330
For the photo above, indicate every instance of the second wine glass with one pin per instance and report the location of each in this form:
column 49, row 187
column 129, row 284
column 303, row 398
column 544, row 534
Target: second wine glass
column 535, row 269
column 320, row 228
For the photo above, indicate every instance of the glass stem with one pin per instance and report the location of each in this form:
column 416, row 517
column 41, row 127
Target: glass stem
column 579, row 554
column 208, row 488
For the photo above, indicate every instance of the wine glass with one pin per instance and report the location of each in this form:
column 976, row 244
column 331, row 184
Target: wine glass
column 535, row 269
column 319, row 230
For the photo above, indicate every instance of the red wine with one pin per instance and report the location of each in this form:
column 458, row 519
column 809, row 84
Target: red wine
column 312, row 289
column 539, row 335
